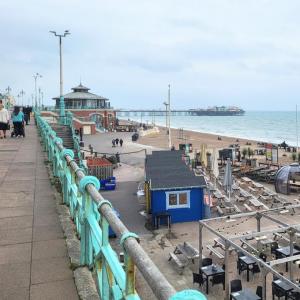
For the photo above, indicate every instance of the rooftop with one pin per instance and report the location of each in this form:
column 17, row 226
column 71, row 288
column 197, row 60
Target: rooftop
column 167, row 169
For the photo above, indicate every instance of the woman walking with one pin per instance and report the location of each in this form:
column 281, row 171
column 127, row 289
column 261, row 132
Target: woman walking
column 18, row 121
column 4, row 120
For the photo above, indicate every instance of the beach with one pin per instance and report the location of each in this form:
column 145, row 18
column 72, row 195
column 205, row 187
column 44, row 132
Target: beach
column 160, row 140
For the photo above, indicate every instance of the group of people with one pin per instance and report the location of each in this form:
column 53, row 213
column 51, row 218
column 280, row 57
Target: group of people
column 19, row 117
column 115, row 142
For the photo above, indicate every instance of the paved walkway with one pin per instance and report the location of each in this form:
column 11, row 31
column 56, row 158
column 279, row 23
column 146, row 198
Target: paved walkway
column 33, row 253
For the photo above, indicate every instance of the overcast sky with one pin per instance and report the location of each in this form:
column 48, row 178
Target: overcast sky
column 212, row 52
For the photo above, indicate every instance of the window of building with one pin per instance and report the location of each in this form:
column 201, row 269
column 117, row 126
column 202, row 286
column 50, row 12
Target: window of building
column 178, row 199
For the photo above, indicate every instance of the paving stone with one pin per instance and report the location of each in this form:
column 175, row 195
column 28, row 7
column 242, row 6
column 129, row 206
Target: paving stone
column 44, row 233
column 52, row 269
column 46, row 220
column 16, row 222
column 18, row 186
column 49, row 249
column 54, row 290
column 15, row 236
column 15, row 293
column 15, row 253
column 19, row 211
column 14, row 275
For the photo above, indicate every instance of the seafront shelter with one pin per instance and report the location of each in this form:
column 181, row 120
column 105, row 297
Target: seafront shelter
column 89, row 107
column 173, row 192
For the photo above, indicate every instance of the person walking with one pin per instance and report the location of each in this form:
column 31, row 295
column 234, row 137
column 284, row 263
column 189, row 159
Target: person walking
column 4, row 120
column 121, row 142
column 113, row 143
column 117, row 141
column 18, row 121
column 26, row 112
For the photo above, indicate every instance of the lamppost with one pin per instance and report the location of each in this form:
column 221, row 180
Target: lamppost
column 36, row 76
column 61, row 97
column 22, row 93
column 168, row 116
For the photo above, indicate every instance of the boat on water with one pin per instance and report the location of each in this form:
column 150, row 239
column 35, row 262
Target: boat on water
column 218, row 111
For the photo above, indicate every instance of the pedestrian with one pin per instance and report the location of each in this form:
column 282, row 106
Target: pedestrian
column 26, row 112
column 4, row 120
column 18, row 121
column 121, row 142
column 117, row 141
column 113, row 143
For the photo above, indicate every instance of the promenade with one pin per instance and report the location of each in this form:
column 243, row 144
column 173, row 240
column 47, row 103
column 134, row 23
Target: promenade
column 33, row 254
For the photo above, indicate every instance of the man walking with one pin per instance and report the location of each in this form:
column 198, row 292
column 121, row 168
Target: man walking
column 121, row 142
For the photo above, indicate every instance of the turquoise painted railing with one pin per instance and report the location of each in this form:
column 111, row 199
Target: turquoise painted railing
column 93, row 215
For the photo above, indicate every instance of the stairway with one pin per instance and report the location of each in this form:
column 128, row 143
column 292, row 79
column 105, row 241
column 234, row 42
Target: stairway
column 65, row 133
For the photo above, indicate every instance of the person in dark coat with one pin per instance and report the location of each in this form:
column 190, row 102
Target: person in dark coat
column 117, row 141
column 113, row 143
column 121, row 142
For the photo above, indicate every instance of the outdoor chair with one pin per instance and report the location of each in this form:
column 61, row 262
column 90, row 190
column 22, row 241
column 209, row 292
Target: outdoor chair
column 235, row 286
column 206, row 262
column 255, row 269
column 277, row 292
column 274, row 246
column 259, row 291
column 198, row 278
column 241, row 267
column 263, row 257
column 217, row 279
column 294, row 296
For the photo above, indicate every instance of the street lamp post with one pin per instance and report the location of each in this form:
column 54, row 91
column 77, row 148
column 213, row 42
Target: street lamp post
column 61, row 97
column 169, row 115
column 22, row 93
column 36, row 76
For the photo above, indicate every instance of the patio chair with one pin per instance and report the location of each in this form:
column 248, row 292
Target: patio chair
column 206, row 261
column 235, row 286
column 277, row 292
column 198, row 278
column 259, row 291
column 241, row 267
column 255, row 269
column 274, row 246
column 294, row 296
column 217, row 279
column 263, row 257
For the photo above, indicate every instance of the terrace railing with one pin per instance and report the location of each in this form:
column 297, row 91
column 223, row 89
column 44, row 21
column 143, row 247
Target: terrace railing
column 92, row 215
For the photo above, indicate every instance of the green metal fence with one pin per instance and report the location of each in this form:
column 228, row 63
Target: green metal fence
column 93, row 215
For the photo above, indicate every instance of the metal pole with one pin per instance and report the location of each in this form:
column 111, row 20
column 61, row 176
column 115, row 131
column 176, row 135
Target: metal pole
column 227, row 291
column 200, row 245
column 292, row 234
column 297, row 136
column 35, row 92
column 169, row 116
column 60, row 69
column 264, row 290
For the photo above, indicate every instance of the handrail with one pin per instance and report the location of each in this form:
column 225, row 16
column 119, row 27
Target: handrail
column 92, row 215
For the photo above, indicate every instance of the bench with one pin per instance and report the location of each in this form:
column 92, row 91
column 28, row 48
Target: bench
column 180, row 263
column 219, row 243
column 252, row 190
column 188, row 251
column 248, row 208
column 220, row 211
column 213, row 250
column 240, row 199
column 278, row 236
column 237, row 209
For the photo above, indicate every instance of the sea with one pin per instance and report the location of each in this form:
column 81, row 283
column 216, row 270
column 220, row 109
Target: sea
column 265, row 126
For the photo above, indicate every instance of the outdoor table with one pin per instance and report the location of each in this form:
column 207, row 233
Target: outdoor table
column 255, row 202
column 246, row 179
column 245, row 294
column 248, row 261
column 187, row 250
column 218, row 195
column 209, row 271
column 245, row 194
column 285, row 252
column 282, row 285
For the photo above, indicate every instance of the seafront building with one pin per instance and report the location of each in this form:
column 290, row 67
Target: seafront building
column 89, row 108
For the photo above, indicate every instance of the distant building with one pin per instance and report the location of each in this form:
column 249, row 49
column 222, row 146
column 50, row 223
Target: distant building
column 172, row 189
column 89, row 108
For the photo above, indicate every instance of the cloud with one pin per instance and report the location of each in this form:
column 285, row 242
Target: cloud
column 212, row 52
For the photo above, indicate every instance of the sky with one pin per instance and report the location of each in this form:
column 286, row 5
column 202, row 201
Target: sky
column 217, row 52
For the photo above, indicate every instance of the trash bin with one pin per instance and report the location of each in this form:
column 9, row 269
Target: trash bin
column 135, row 137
